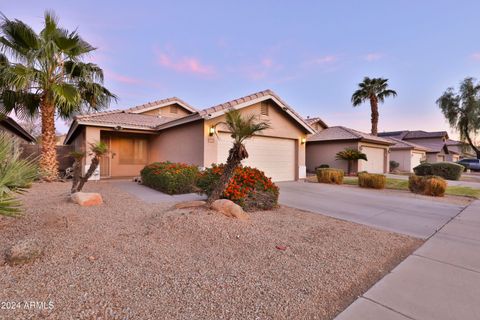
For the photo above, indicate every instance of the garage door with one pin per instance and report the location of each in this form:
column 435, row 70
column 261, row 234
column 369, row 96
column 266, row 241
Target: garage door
column 416, row 159
column 375, row 163
column 274, row 156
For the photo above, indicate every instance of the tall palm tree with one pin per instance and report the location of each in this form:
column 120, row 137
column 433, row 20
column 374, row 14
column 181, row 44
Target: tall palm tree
column 375, row 90
column 47, row 76
column 241, row 129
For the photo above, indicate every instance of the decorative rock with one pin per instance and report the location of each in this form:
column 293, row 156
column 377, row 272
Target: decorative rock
column 230, row 209
column 86, row 199
column 189, row 204
column 24, row 252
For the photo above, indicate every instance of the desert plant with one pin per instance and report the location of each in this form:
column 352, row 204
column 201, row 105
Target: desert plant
column 249, row 187
column 427, row 185
column 47, row 77
column 170, row 178
column 375, row 90
column 446, row 170
column 328, row 175
column 241, row 128
column 322, row 166
column 350, row 155
column 97, row 150
column 371, row 180
column 394, row 165
column 16, row 174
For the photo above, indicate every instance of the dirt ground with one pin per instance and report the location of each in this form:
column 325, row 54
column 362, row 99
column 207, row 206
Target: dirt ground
column 130, row 260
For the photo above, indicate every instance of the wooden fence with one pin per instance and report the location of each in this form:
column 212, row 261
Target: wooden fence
column 63, row 154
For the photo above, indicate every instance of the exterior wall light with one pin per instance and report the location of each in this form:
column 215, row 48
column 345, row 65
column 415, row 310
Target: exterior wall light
column 304, row 140
column 211, row 132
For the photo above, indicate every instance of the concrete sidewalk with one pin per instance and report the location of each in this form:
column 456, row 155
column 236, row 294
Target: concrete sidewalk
column 439, row 281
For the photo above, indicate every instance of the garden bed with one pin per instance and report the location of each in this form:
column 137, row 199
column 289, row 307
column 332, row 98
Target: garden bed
column 145, row 261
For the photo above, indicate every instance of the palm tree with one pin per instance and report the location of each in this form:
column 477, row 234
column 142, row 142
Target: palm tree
column 97, row 150
column 350, row 155
column 375, row 90
column 462, row 110
column 241, row 128
column 47, row 76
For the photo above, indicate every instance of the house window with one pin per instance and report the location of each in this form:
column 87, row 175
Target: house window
column 173, row 109
column 133, row 151
column 264, row 108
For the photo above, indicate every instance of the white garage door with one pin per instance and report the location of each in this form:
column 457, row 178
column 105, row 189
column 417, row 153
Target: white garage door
column 416, row 159
column 274, row 156
column 375, row 163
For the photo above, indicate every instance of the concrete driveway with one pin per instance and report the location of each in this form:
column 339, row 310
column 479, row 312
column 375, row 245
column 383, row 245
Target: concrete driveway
column 405, row 213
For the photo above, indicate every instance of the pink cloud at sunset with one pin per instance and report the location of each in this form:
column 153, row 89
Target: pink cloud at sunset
column 373, row 56
column 190, row 65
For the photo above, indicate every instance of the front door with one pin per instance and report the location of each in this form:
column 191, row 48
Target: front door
column 105, row 160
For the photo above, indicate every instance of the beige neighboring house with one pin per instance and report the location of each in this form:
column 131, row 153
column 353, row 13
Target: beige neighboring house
column 407, row 154
column 9, row 125
column 172, row 130
column 323, row 146
column 316, row 123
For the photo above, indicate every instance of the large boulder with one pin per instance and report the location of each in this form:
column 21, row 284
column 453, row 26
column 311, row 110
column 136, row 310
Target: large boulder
column 24, row 251
column 230, row 209
column 86, row 199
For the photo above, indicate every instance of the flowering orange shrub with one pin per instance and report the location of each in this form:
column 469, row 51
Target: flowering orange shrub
column 249, row 187
column 171, row 178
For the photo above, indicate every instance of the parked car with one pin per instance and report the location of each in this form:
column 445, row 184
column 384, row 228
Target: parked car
column 471, row 163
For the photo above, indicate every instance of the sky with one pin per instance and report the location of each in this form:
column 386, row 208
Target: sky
column 311, row 53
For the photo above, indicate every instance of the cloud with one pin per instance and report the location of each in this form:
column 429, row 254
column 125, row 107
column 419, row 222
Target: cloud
column 260, row 70
column 122, row 78
column 475, row 56
column 190, row 65
column 373, row 56
column 322, row 60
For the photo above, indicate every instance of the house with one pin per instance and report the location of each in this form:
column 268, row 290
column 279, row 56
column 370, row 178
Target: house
column 323, row 146
column 9, row 125
column 316, row 123
column 462, row 148
column 435, row 142
column 172, row 130
column 407, row 154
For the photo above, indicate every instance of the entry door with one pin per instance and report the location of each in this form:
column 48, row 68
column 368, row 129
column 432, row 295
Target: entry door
column 105, row 159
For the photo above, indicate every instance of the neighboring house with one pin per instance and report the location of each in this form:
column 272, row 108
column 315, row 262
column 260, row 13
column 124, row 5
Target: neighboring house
column 323, row 146
column 316, row 123
column 435, row 142
column 407, row 154
column 11, row 126
column 463, row 149
column 172, row 130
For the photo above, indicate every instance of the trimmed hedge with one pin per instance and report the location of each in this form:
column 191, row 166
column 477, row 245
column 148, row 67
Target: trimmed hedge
column 371, row 180
column 249, row 187
column 446, row 170
column 329, row 175
column 170, row 178
column 427, row 185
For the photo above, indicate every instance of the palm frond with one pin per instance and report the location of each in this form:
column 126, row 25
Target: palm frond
column 244, row 127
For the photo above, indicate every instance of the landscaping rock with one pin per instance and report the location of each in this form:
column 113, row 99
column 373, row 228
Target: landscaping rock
column 24, row 251
column 230, row 209
column 86, row 199
column 189, row 204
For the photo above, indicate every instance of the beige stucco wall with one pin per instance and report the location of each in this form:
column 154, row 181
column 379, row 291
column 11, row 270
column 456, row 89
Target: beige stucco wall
column 165, row 111
column 324, row 153
column 281, row 126
column 179, row 144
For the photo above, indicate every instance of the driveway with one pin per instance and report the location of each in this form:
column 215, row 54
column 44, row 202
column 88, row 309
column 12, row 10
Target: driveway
column 405, row 213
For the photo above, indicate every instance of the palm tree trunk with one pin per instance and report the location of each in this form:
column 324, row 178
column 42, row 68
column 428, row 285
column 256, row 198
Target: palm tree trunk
column 48, row 158
column 91, row 170
column 375, row 115
column 349, row 167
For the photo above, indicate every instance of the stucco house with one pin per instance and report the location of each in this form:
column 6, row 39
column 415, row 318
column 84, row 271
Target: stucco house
column 172, row 130
column 9, row 125
column 323, row 146
column 316, row 123
column 407, row 154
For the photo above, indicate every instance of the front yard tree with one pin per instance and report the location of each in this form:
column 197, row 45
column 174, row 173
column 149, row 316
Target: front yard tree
column 241, row 128
column 97, row 151
column 47, row 76
column 350, row 155
column 374, row 90
column 462, row 111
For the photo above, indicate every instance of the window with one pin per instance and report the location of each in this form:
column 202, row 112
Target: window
column 133, row 151
column 173, row 109
column 264, row 108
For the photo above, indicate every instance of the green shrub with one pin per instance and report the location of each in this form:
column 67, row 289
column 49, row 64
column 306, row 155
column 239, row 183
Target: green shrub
column 329, row 175
column 394, row 165
column 446, row 170
column 427, row 185
column 249, row 187
column 322, row 166
column 170, row 178
column 371, row 180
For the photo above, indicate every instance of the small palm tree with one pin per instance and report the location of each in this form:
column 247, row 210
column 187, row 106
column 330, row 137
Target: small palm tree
column 16, row 174
column 241, row 128
column 350, row 155
column 47, row 76
column 97, row 150
column 375, row 90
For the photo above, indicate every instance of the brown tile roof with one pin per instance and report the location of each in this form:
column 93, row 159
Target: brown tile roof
column 313, row 120
column 415, row 134
column 121, row 117
column 162, row 102
column 402, row 144
column 343, row 133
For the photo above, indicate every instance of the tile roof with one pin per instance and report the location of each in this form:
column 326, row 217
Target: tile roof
column 436, row 146
column 415, row 134
column 162, row 102
column 313, row 120
column 402, row 144
column 343, row 133
column 121, row 117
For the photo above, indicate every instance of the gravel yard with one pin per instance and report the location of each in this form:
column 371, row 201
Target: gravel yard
column 130, row 260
